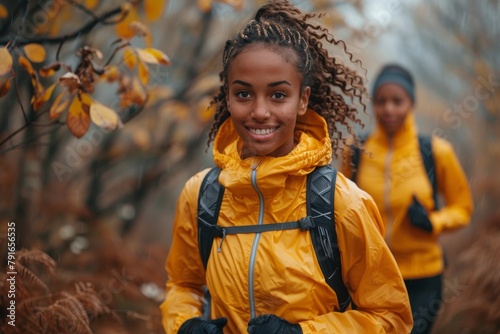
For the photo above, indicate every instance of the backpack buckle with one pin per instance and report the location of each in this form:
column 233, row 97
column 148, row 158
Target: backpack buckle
column 306, row 223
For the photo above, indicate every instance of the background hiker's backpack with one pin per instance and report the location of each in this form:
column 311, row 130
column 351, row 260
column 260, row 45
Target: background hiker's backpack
column 425, row 145
column 319, row 221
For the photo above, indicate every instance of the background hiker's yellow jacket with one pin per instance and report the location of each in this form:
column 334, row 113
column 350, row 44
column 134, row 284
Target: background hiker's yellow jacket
column 287, row 280
column 391, row 170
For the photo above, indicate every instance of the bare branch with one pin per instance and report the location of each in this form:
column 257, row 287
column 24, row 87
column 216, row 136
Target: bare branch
column 61, row 39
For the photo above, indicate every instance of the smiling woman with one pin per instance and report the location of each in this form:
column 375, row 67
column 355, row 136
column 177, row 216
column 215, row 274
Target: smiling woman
column 264, row 100
column 281, row 101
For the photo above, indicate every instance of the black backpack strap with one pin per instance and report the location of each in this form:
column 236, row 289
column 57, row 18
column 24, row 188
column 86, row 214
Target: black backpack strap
column 356, row 156
column 209, row 201
column 425, row 144
column 320, row 197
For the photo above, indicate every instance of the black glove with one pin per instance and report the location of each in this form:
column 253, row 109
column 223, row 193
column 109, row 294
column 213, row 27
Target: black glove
column 272, row 324
column 418, row 216
column 200, row 326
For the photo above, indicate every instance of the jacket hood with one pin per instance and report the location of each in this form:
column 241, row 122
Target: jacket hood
column 312, row 149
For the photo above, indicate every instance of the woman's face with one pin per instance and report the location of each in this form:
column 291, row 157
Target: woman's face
column 391, row 104
column 264, row 99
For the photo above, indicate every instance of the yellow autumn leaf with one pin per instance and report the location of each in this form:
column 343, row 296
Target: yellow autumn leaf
column 3, row 12
column 60, row 104
column 35, row 52
column 37, row 86
column 159, row 56
column 78, row 119
column 129, row 58
column 4, row 86
column 123, row 28
column 206, row 111
column 104, row 117
column 146, row 56
column 110, row 73
column 153, row 9
column 143, row 73
column 25, row 63
column 205, row 5
column 49, row 70
column 43, row 97
column 90, row 4
column 5, row 61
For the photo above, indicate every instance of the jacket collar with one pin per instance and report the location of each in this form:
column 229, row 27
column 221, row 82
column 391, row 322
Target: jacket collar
column 312, row 149
column 404, row 136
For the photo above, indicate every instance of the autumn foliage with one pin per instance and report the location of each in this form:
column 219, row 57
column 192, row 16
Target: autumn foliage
column 75, row 87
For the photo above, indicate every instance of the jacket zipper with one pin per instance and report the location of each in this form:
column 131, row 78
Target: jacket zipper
column 387, row 193
column 255, row 244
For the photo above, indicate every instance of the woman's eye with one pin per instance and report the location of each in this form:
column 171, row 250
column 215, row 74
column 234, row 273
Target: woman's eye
column 278, row 95
column 243, row 95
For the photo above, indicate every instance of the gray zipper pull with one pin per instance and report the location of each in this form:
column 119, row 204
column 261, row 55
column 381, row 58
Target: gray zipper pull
column 219, row 249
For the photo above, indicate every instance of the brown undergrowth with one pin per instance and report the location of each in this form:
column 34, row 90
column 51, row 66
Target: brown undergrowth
column 108, row 287
column 472, row 295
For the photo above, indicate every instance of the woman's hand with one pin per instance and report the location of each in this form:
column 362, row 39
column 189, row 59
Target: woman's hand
column 200, row 326
column 272, row 324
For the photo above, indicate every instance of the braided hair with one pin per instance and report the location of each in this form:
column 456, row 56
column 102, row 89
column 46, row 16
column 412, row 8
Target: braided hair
column 281, row 24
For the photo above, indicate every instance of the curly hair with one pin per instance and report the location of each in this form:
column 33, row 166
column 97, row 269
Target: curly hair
column 281, row 24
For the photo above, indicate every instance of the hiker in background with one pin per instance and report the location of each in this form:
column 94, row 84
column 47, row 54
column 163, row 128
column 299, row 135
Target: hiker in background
column 280, row 105
column 405, row 172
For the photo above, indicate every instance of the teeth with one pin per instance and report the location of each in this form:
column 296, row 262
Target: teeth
column 262, row 131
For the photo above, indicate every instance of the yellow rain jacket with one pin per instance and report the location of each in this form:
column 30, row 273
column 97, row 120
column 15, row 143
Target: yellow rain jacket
column 391, row 170
column 277, row 272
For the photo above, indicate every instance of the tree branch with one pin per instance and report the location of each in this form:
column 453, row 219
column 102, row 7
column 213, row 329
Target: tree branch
column 55, row 40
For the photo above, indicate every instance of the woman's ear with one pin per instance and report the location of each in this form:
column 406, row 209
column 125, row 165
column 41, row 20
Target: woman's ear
column 304, row 100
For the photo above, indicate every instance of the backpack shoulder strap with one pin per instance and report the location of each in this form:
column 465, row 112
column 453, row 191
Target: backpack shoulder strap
column 425, row 144
column 209, row 201
column 356, row 156
column 320, row 197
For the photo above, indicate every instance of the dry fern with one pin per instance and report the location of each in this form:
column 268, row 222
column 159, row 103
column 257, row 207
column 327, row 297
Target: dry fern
column 477, row 308
column 42, row 311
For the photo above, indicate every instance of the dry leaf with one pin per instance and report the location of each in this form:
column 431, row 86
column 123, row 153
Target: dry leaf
column 158, row 55
column 90, row 4
column 206, row 111
column 59, row 105
column 146, row 56
column 143, row 73
column 205, row 5
column 110, row 73
column 5, row 86
column 153, row 9
column 78, row 119
column 43, row 97
column 129, row 58
column 3, row 12
column 123, row 28
column 140, row 29
column 132, row 93
column 49, row 70
column 104, row 117
column 71, row 81
column 25, row 63
column 35, row 52
column 5, row 61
